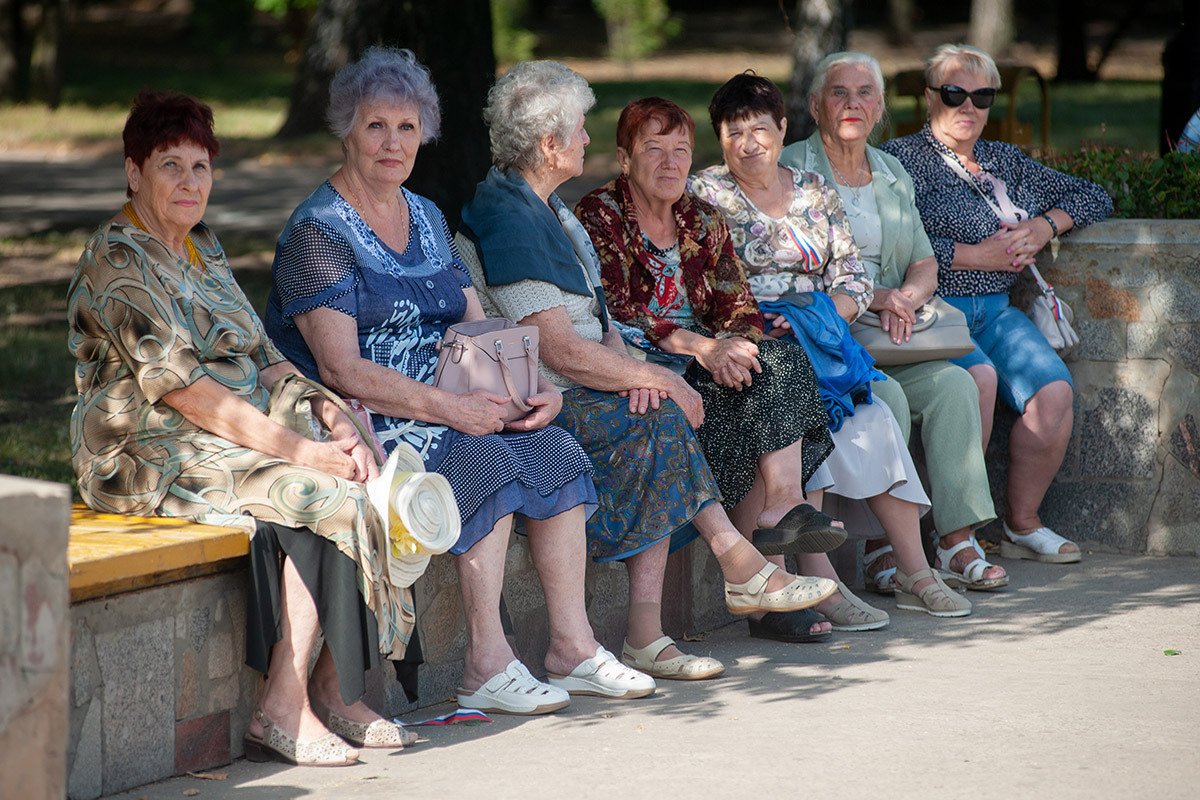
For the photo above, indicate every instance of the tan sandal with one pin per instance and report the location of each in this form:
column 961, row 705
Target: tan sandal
column 684, row 667
column 751, row 596
column 379, row 733
column 936, row 599
column 852, row 614
column 275, row 745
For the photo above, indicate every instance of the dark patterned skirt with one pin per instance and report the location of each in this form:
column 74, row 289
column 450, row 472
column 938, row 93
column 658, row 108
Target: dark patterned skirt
column 650, row 473
column 778, row 409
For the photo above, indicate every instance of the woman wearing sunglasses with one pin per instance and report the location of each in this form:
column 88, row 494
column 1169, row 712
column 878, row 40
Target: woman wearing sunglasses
column 989, row 210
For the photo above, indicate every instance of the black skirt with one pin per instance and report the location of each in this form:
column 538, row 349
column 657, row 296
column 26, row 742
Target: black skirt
column 780, row 407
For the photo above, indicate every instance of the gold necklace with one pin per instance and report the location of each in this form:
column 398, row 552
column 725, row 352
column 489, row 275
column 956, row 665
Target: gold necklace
column 189, row 247
column 362, row 209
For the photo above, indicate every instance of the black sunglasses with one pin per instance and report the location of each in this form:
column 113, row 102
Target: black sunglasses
column 954, row 96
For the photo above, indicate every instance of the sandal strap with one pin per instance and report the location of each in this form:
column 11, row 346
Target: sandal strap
column 757, row 582
column 648, row 654
column 1041, row 540
column 515, row 679
column 974, row 569
column 876, row 554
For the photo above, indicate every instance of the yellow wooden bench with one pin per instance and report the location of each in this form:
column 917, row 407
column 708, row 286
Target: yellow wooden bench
column 113, row 553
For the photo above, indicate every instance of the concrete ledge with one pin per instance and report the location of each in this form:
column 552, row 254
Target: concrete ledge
column 111, row 553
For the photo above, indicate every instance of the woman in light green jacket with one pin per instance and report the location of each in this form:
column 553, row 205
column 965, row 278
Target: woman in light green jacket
column 847, row 104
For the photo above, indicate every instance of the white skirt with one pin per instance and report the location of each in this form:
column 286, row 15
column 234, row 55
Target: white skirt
column 869, row 458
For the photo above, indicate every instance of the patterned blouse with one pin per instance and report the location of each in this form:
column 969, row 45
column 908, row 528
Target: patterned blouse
column 143, row 324
column 716, row 284
column 954, row 211
column 810, row 249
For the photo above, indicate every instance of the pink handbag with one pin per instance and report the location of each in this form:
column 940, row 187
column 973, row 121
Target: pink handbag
column 491, row 355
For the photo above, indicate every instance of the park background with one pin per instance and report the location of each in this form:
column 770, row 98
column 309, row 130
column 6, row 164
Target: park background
column 68, row 71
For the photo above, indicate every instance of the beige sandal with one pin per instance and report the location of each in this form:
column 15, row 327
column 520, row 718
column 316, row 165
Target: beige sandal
column 852, row 614
column 275, row 745
column 380, row 733
column 751, row 596
column 936, row 599
column 684, row 667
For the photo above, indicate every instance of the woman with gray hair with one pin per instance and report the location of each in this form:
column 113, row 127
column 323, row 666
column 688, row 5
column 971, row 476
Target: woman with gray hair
column 534, row 262
column 989, row 209
column 366, row 283
column 847, row 102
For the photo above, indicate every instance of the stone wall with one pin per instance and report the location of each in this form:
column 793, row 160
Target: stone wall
column 34, row 656
column 1131, row 478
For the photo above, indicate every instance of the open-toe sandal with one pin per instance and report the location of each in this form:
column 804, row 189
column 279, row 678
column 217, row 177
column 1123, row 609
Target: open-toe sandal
column 936, row 599
column 879, row 581
column 751, row 596
column 603, row 675
column 380, row 733
column 789, row 626
column 972, row 575
column 1040, row 544
column 275, row 745
column 852, row 614
column 514, row 691
column 684, row 667
column 802, row 530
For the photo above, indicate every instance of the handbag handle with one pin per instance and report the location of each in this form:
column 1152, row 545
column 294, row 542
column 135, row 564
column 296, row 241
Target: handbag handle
column 506, row 374
column 315, row 388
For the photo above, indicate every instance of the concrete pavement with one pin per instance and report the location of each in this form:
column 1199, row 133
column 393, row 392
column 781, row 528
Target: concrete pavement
column 1057, row 687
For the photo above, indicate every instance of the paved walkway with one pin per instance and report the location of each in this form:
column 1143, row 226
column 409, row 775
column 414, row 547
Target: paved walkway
column 1058, row 688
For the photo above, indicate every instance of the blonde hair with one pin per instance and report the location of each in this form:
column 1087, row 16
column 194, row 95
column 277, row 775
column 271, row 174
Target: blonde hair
column 972, row 59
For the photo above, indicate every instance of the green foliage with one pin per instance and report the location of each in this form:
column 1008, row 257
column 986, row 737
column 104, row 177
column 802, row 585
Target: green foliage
column 510, row 41
column 636, row 28
column 1142, row 186
column 280, row 8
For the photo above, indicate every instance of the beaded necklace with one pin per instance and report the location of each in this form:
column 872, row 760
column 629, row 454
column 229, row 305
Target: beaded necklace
column 189, row 247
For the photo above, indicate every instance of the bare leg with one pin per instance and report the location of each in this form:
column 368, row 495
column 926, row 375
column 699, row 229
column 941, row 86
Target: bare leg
column 945, row 540
column 1036, row 448
column 985, row 379
column 559, row 555
column 902, row 524
column 285, row 695
column 481, row 578
column 646, row 571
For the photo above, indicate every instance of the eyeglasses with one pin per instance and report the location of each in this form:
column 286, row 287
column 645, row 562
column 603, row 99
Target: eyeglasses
column 954, row 96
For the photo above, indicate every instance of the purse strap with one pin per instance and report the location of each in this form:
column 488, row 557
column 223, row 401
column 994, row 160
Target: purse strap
column 310, row 388
column 506, row 373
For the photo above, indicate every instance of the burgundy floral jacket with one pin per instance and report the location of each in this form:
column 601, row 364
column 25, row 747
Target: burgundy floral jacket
column 716, row 283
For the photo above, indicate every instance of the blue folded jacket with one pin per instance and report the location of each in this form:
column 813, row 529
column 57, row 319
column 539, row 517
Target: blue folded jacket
column 843, row 367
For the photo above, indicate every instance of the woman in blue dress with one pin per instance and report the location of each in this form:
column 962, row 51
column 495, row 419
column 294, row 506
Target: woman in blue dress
column 366, row 281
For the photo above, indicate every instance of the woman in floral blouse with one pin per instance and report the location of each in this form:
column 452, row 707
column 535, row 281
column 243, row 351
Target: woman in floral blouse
column 791, row 231
column 989, row 209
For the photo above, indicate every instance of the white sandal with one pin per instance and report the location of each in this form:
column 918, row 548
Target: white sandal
column 603, row 675
column 1040, row 544
column 880, row 582
column 972, row 575
column 685, row 667
column 803, row 592
column 514, row 691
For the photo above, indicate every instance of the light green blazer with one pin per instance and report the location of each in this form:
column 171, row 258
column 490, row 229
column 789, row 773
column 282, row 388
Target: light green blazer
column 904, row 237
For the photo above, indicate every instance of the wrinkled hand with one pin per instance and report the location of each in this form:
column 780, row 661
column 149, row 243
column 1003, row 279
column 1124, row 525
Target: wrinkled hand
column 732, row 361
column 780, row 327
column 342, row 431
column 478, row 413
column 546, row 406
column 690, row 401
column 1009, row 249
column 642, row 400
column 332, row 457
column 897, row 313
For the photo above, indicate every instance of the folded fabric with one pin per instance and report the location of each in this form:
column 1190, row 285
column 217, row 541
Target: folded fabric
column 843, row 367
column 637, row 339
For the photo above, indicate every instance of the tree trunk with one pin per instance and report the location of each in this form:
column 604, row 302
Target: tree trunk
column 991, row 25
column 900, row 12
column 45, row 73
column 10, row 27
column 453, row 39
column 821, row 29
column 1072, row 42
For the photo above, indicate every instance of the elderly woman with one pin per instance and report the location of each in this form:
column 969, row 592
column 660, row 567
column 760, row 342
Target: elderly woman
column 532, row 262
column 793, row 236
column 877, row 194
column 669, row 269
column 366, row 283
column 989, row 210
column 174, row 375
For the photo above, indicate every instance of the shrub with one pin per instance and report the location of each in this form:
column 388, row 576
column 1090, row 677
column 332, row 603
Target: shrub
column 636, row 28
column 1141, row 185
column 511, row 41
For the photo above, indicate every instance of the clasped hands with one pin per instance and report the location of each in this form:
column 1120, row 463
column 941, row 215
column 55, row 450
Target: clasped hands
column 1014, row 247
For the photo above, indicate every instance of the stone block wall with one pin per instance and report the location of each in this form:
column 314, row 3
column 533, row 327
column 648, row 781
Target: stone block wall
column 1131, row 478
column 158, row 686
column 34, row 655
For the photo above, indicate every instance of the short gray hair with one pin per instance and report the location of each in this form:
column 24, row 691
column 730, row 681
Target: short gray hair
column 533, row 100
column 383, row 73
column 972, row 59
column 845, row 58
